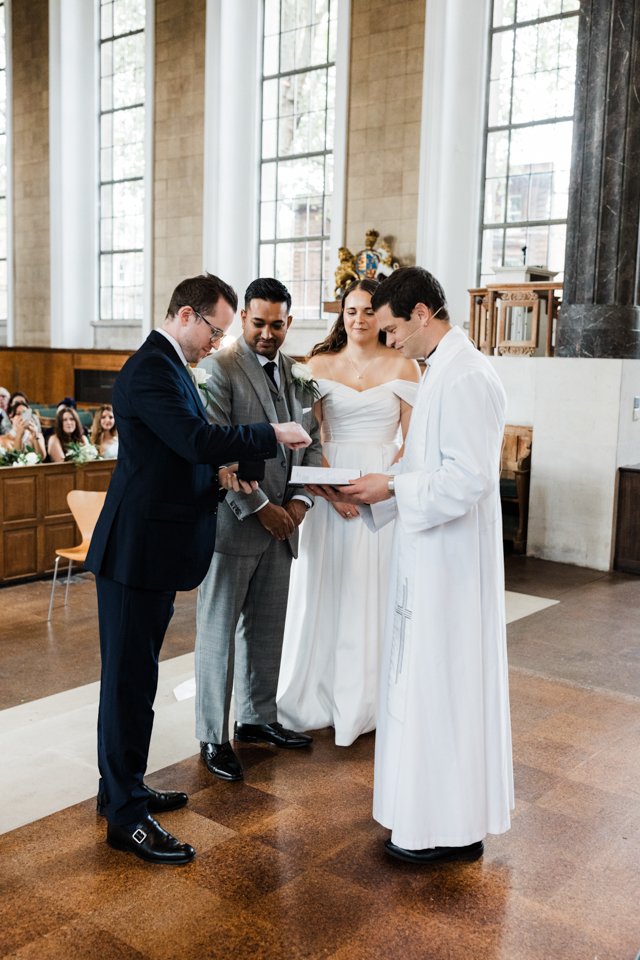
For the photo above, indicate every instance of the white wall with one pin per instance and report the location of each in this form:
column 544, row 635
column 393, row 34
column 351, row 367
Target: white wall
column 581, row 413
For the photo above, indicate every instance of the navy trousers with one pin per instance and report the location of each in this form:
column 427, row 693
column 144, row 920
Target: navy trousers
column 132, row 627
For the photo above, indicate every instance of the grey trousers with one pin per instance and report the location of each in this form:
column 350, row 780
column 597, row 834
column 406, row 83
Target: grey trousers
column 241, row 611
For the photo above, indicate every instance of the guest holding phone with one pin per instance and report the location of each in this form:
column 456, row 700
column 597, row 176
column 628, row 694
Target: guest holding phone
column 25, row 433
column 242, row 601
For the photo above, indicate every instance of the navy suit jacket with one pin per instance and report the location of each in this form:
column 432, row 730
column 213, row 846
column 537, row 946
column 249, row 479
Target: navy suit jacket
column 157, row 528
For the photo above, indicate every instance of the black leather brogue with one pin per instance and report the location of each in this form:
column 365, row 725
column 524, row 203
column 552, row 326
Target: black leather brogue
column 148, row 841
column 273, row 733
column 221, row 761
column 157, row 802
column 436, row 854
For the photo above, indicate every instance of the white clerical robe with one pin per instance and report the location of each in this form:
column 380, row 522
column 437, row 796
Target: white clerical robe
column 443, row 765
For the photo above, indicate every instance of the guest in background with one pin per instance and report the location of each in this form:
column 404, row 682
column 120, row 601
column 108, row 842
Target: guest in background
column 337, row 599
column 104, row 435
column 20, row 397
column 5, row 422
column 25, row 432
column 67, row 430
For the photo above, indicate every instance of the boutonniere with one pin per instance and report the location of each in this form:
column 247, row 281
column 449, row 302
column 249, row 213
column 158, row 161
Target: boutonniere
column 303, row 379
column 201, row 377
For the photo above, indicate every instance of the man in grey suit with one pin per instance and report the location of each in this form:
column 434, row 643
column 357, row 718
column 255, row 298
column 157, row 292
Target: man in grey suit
column 242, row 602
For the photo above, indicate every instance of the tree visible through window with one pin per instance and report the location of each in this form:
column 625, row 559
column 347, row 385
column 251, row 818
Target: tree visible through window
column 298, row 118
column 122, row 162
column 529, row 132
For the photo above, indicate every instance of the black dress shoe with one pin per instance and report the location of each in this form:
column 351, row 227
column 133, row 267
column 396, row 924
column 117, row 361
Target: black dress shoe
column 156, row 802
column 221, row 761
column 436, row 854
column 273, row 733
column 148, row 841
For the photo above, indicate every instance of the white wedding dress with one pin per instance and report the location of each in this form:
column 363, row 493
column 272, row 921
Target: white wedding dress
column 338, row 591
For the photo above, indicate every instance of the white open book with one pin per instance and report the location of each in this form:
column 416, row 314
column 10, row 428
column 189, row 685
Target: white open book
column 327, row 476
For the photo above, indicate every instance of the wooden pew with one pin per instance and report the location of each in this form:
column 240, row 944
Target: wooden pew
column 34, row 515
column 515, row 474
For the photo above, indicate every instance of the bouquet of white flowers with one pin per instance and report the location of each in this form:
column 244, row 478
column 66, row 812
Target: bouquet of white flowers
column 19, row 458
column 81, row 452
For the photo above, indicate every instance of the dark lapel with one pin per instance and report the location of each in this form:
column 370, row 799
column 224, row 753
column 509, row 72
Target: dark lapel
column 162, row 344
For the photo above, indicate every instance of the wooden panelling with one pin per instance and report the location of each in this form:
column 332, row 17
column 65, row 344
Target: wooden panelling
column 56, row 486
column 627, row 549
column 20, row 551
column 35, row 519
column 19, row 496
column 47, row 375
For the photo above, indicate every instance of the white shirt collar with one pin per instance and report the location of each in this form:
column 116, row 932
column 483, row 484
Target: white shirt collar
column 264, row 360
column 174, row 343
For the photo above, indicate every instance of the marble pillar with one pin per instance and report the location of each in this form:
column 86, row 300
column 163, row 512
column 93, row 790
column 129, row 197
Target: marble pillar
column 600, row 316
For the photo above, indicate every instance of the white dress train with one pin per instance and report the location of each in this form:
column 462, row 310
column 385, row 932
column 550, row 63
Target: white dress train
column 338, row 591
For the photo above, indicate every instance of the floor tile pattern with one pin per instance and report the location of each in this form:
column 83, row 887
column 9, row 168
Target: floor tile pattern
column 290, row 864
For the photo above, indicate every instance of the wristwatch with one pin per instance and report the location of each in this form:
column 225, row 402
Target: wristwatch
column 391, row 486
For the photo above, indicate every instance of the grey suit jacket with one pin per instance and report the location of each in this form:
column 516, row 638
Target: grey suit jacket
column 238, row 393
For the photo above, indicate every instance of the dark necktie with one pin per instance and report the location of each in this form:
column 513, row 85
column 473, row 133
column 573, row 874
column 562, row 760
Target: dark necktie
column 270, row 370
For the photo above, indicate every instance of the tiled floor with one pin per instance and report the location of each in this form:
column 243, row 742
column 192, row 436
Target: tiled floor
column 290, row 863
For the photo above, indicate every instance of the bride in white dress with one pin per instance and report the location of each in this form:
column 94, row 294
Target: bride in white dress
column 337, row 597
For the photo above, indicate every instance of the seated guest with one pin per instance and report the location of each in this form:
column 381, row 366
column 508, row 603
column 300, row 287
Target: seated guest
column 19, row 397
column 5, row 422
column 25, row 433
column 67, row 430
column 104, row 435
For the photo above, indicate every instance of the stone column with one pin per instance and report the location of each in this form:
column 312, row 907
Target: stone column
column 600, row 316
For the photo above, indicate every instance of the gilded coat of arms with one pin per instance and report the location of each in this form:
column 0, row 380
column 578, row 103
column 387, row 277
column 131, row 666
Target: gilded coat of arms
column 374, row 262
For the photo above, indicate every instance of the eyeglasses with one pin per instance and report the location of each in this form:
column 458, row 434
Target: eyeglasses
column 216, row 333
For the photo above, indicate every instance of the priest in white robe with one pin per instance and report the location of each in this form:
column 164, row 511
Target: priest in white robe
column 443, row 765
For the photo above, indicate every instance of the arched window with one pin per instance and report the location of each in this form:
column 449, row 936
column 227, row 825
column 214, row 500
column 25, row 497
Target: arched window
column 528, row 134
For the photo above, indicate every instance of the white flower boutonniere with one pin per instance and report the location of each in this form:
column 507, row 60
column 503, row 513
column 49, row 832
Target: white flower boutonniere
column 202, row 378
column 303, row 379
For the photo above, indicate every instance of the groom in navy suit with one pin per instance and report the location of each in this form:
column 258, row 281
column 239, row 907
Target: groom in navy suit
column 156, row 535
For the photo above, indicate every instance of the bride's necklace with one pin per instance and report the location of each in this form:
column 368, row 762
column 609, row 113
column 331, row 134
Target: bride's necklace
column 360, row 373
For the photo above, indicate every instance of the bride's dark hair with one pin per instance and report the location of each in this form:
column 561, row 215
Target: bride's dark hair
column 337, row 338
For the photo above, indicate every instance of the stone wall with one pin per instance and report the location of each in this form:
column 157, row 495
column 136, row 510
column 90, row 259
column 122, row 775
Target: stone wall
column 383, row 152
column 30, row 105
column 178, row 146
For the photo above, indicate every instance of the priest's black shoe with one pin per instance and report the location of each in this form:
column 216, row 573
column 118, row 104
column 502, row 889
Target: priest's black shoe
column 221, row 761
column 273, row 733
column 148, row 841
column 156, row 802
column 436, row 854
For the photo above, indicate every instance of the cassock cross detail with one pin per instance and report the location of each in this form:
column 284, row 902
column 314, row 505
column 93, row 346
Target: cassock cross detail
column 405, row 615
